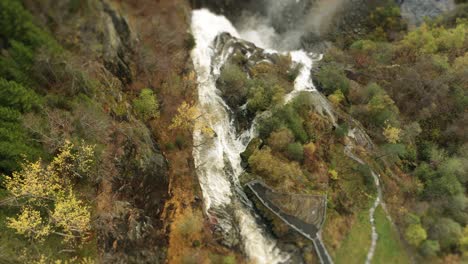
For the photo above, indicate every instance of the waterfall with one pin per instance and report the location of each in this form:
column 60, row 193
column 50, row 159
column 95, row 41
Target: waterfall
column 217, row 158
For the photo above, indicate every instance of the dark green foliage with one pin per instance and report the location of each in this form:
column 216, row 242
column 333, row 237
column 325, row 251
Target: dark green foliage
column 295, row 151
column 196, row 243
column 16, row 64
column 180, row 142
column 446, row 231
column 341, row 130
column 294, row 122
column 262, row 96
column 385, row 21
column 16, row 96
column 331, row 77
column 190, row 42
column 20, row 41
column 430, row 248
column 287, row 117
column 253, row 146
column 14, row 143
column 366, row 173
column 393, row 151
column 416, row 83
column 16, row 24
column 233, row 83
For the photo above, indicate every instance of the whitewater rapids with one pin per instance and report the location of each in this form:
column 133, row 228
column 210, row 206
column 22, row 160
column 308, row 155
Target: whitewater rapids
column 217, row 158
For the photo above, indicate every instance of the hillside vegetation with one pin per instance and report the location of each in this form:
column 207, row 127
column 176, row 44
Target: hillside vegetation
column 410, row 91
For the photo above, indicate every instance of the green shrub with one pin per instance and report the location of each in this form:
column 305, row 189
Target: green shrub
column 295, row 151
column 146, row 105
column 229, row 260
column 196, row 243
column 16, row 96
column 180, row 142
column 262, row 96
column 415, row 234
column 190, row 42
column 170, row 146
column 233, row 84
column 294, row 122
column 265, row 164
column 446, row 231
column 430, row 248
column 331, row 78
column 15, row 99
column 341, row 130
column 367, row 177
column 268, row 124
column 16, row 24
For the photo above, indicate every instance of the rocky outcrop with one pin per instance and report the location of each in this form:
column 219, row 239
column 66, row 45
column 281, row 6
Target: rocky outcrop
column 414, row 11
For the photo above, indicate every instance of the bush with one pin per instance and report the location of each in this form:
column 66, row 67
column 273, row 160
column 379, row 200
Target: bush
column 16, row 96
column 265, row 164
column 295, row 151
column 233, row 84
column 262, row 96
column 16, row 24
column 342, row 130
column 190, row 42
column 294, row 122
column 447, row 232
column 180, row 142
column 415, row 234
column 229, row 260
column 279, row 140
column 146, row 105
column 430, row 248
column 15, row 100
column 196, row 243
column 331, row 78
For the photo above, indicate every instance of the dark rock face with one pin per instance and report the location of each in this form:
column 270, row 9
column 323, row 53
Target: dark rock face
column 414, row 11
column 117, row 59
column 132, row 231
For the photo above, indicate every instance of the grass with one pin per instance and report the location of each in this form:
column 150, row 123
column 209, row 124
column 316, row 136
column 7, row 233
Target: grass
column 354, row 247
column 389, row 247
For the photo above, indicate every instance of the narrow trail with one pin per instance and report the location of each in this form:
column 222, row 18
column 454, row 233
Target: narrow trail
column 378, row 201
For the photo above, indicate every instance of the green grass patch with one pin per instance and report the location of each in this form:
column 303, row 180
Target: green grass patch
column 389, row 247
column 356, row 244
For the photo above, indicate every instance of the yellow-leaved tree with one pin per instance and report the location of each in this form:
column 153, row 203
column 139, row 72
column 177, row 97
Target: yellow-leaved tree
column 187, row 117
column 391, row 134
column 45, row 194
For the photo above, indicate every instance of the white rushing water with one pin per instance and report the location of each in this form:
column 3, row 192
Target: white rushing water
column 217, row 158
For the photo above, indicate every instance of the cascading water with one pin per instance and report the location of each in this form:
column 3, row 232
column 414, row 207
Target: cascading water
column 217, row 158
